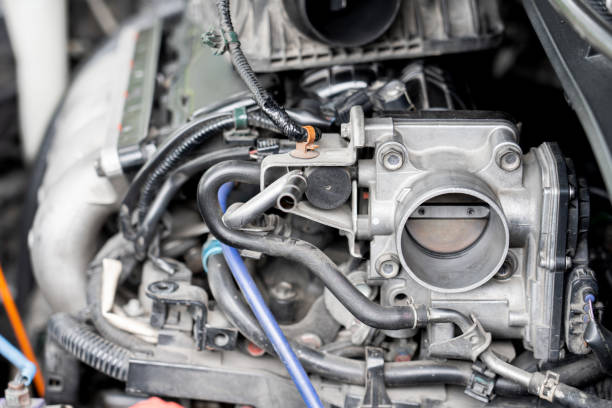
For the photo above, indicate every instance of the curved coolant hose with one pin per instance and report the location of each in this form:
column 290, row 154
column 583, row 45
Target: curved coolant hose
column 265, row 318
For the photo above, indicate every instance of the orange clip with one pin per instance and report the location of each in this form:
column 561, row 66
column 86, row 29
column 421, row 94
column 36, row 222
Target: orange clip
column 307, row 149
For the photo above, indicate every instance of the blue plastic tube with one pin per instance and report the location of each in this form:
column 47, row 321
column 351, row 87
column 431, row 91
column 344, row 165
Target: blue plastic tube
column 265, row 317
column 26, row 368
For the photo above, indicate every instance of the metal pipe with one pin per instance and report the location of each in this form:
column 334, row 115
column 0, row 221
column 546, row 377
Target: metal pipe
column 449, row 316
column 292, row 193
column 238, row 217
column 506, row 370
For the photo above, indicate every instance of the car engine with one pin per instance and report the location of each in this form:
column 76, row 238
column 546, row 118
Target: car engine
column 289, row 203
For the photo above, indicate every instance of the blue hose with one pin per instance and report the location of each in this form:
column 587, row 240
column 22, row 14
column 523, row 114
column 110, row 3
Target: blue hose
column 264, row 316
column 26, row 368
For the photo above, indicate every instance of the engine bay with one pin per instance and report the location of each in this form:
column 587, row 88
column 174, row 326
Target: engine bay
column 301, row 206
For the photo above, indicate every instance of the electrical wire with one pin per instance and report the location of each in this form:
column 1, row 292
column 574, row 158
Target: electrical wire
column 265, row 317
column 20, row 333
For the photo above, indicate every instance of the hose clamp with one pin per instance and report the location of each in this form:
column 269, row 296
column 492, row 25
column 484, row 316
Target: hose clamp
column 549, row 385
column 212, row 248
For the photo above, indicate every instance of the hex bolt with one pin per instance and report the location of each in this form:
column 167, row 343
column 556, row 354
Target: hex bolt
column 510, row 160
column 393, row 159
column 163, row 287
column 283, row 291
column 387, row 266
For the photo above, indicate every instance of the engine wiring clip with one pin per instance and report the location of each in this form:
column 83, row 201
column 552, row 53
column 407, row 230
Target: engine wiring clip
column 214, row 39
column 481, row 383
column 307, row 149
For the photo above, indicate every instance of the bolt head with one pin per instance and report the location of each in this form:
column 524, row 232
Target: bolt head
column 510, row 160
column 283, row 291
column 388, row 267
column 393, row 160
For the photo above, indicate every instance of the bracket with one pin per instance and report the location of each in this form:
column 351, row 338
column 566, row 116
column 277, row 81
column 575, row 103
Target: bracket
column 168, row 293
column 468, row 345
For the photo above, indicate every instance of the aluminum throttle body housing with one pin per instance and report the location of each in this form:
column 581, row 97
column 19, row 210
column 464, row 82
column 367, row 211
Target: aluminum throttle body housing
column 452, row 214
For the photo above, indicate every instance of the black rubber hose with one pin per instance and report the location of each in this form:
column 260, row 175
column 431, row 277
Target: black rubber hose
column 231, row 303
column 176, row 180
column 228, row 299
column 171, row 143
column 265, row 101
column 183, row 141
column 572, row 397
column 170, row 160
column 577, row 373
column 81, row 341
column 426, row 372
column 368, row 312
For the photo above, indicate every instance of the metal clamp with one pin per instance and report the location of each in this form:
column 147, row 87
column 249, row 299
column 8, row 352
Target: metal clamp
column 549, row 385
column 481, row 383
column 468, row 345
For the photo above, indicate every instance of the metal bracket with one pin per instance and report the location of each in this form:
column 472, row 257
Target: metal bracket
column 218, row 338
column 468, row 345
column 549, row 385
column 481, row 383
column 165, row 293
column 375, row 394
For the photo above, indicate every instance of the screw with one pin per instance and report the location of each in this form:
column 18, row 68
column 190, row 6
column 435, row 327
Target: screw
column 393, row 160
column 283, row 291
column 388, row 266
column 568, row 263
column 510, row 160
column 163, row 287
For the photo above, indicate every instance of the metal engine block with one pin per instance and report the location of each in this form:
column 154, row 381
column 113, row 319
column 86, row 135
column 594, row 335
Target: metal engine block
column 455, row 215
